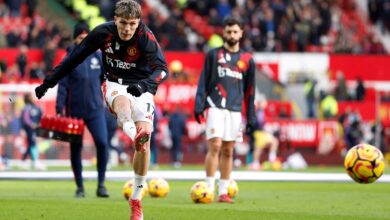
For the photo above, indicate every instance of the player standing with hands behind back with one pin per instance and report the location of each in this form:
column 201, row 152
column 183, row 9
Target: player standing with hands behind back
column 227, row 79
column 135, row 66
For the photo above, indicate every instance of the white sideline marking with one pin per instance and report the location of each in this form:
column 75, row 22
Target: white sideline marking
column 185, row 175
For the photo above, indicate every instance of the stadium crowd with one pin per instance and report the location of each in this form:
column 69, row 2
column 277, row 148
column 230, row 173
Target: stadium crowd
column 271, row 26
column 275, row 26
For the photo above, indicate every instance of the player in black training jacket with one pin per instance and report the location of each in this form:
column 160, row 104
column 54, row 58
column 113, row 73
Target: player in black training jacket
column 227, row 79
column 135, row 66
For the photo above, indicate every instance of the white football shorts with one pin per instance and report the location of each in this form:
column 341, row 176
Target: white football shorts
column 142, row 108
column 223, row 123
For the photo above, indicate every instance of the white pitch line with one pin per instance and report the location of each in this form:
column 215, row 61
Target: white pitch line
column 185, row 175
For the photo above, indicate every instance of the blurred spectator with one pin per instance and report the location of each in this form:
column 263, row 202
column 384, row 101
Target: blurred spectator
column 65, row 40
column 223, row 8
column 30, row 118
column 260, row 114
column 158, row 26
column 328, row 106
column 213, row 18
column 178, row 40
column 386, row 14
column 48, row 55
column 371, row 44
column 360, row 90
column 177, row 127
column 22, row 61
column 36, row 71
column 340, row 92
column 259, row 126
column 311, row 99
column 201, row 43
column 259, row 139
column 374, row 10
column 343, row 118
column 3, row 66
column 344, row 44
column 31, row 5
column 14, row 38
column 34, row 31
column 354, row 115
column 326, row 17
column 14, row 7
column 263, row 140
column 353, row 134
column 13, row 117
column 378, row 136
column 11, row 125
column 201, row 6
column 36, row 36
column 4, row 10
column 283, row 35
column 51, row 30
column 276, row 25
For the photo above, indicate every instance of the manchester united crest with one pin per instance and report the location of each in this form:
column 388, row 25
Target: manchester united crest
column 114, row 93
column 241, row 65
column 132, row 51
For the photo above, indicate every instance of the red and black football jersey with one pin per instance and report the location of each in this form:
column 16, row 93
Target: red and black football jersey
column 140, row 58
column 227, row 80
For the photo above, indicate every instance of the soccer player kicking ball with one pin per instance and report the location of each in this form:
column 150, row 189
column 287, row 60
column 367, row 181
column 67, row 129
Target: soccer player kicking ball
column 227, row 79
column 135, row 66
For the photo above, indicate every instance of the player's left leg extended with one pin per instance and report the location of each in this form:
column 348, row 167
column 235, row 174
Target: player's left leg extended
column 140, row 165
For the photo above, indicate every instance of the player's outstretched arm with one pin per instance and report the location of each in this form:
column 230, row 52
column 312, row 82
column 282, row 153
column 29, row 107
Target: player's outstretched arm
column 89, row 45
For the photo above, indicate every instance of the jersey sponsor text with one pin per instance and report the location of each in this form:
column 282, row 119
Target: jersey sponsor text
column 119, row 64
column 222, row 72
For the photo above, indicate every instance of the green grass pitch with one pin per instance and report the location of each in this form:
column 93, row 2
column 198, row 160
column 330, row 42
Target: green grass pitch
column 52, row 200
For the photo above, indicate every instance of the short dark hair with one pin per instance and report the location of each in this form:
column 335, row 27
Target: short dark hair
column 230, row 20
column 128, row 9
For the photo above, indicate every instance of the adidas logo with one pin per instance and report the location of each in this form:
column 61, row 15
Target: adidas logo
column 109, row 50
column 222, row 60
